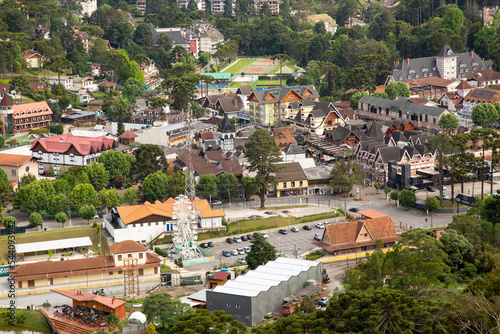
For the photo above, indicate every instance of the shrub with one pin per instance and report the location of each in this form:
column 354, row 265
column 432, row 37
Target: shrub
column 161, row 252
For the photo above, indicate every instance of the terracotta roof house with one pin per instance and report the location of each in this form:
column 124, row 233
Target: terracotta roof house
column 64, row 151
column 483, row 78
column 88, row 269
column 358, row 236
column 32, row 58
column 474, row 96
column 128, row 138
column 431, row 87
column 145, row 222
column 315, row 117
column 17, row 166
column 19, row 118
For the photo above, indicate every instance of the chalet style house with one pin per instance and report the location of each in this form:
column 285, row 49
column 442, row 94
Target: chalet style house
column 358, row 236
column 268, row 107
column 314, row 117
column 64, row 151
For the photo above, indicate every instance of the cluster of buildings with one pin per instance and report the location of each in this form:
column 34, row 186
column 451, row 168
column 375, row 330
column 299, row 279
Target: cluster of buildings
column 217, row 6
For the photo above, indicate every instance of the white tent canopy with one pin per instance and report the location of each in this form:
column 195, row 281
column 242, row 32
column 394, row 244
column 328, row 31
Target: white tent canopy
column 53, row 244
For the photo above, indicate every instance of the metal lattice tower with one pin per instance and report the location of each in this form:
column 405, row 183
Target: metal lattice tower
column 190, row 183
column 130, row 277
column 185, row 228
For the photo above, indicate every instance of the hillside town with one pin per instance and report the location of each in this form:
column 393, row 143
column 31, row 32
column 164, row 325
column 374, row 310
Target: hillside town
column 253, row 166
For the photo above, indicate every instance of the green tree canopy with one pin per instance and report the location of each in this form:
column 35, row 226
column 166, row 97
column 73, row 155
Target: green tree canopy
column 353, row 101
column 407, row 197
column 397, row 89
column 9, row 222
column 109, row 198
column 87, row 212
column 130, row 196
column 4, row 178
column 149, row 158
column 260, row 253
column 116, row 163
column 98, row 175
column 83, row 194
column 61, row 218
column 263, row 156
column 227, row 185
column 458, row 249
column 203, row 321
column 35, row 219
column 448, row 122
column 31, row 198
column 344, row 175
column 156, row 186
column 163, row 308
column 207, row 186
column 484, row 114
column 133, row 89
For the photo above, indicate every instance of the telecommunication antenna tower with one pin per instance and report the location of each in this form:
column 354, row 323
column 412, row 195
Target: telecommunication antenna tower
column 183, row 212
column 130, row 277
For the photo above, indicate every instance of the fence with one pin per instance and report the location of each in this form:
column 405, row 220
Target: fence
column 137, row 329
column 292, row 201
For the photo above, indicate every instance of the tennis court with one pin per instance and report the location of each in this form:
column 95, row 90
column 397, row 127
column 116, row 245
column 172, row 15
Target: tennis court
column 261, row 66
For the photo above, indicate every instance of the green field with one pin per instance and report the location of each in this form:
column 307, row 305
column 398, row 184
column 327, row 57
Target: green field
column 239, row 65
column 32, row 319
column 63, row 233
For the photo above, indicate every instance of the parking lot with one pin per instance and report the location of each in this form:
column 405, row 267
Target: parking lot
column 290, row 244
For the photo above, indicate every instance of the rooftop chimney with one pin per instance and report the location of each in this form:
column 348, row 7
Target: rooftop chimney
column 113, row 300
column 408, row 61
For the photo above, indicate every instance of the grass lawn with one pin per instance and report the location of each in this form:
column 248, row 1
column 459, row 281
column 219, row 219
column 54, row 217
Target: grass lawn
column 238, row 84
column 268, row 82
column 64, row 233
column 33, row 319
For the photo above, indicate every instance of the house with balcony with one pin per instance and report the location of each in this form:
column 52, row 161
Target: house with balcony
column 270, row 106
column 379, row 109
column 33, row 59
column 483, row 78
column 274, row 5
column 314, row 117
column 19, row 118
column 141, row 6
column 64, row 151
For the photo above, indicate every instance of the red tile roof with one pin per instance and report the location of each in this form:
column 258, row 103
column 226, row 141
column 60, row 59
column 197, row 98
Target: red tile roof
column 464, row 85
column 128, row 135
column 221, row 275
column 30, row 53
column 87, row 297
column 26, row 110
column 63, row 143
column 14, row 159
column 127, row 246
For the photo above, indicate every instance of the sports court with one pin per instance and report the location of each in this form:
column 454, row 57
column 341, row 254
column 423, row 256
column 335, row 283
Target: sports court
column 251, row 65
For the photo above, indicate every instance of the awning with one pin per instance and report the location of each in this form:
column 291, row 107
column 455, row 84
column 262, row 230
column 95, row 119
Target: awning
column 53, row 244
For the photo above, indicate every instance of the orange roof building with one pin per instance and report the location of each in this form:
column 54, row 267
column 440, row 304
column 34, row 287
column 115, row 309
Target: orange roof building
column 101, row 304
column 17, row 166
column 18, row 118
column 128, row 138
column 145, row 222
column 358, row 235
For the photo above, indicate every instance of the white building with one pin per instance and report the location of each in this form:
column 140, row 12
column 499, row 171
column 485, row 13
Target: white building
column 88, row 7
column 64, row 151
column 67, row 82
column 145, row 222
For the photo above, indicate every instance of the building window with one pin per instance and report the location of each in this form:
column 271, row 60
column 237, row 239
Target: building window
column 284, row 184
column 228, row 304
column 130, row 255
column 141, row 255
column 119, row 272
column 110, row 273
column 14, row 172
column 292, row 184
column 119, row 257
column 28, row 169
column 237, row 306
column 300, row 183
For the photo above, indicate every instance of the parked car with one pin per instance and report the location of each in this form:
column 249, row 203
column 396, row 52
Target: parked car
column 431, row 189
column 241, row 251
column 250, row 236
column 264, row 234
column 324, row 299
column 242, row 260
column 230, row 241
column 294, row 229
column 204, row 245
column 307, row 227
column 286, row 211
column 244, row 238
column 234, row 252
column 282, row 231
column 444, row 187
column 226, row 253
column 320, row 225
column 216, row 203
column 256, row 234
column 354, row 209
column 270, row 212
column 321, row 303
column 318, row 237
column 445, row 197
column 237, row 240
column 255, row 217
column 210, row 244
column 246, row 249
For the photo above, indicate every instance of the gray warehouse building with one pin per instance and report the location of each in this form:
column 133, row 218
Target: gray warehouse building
column 249, row 297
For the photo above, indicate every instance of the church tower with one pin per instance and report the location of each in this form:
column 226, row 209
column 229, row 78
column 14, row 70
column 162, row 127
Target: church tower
column 446, row 63
column 227, row 133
